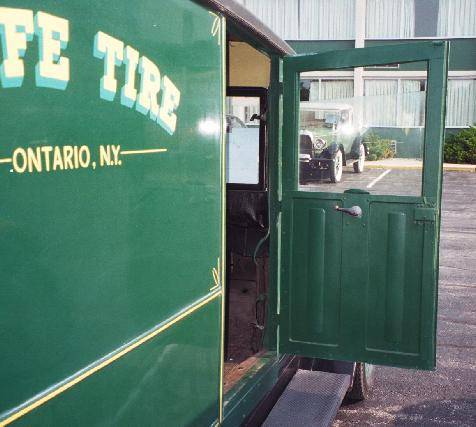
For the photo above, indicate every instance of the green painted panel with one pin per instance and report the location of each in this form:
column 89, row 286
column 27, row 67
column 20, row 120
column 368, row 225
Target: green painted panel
column 362, row 288
column 394, row 289
column 91, row 257
column 171, row 380
column 462, row 53
column 311, row 46
column 315, row 289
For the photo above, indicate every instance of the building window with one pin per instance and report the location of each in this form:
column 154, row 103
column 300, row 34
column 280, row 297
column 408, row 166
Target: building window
column 326, row 19
column 326, row 89
column 460, row 103
column 457, row 18
column 380, row 107
column 405, row 19
column 387, row 19
column 306, row 19
column 331, row 89
column 394, row 102
column 279, row 15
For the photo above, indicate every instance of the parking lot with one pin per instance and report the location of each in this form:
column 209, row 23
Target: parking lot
column 447, row 396
column 384, row 180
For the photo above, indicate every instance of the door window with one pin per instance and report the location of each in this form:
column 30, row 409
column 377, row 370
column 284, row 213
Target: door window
column 367, row 136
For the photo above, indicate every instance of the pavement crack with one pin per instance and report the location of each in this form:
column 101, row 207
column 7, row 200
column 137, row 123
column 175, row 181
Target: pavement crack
column 462, row 346
column 461, row 322
column 457, row 268
column 455, row 285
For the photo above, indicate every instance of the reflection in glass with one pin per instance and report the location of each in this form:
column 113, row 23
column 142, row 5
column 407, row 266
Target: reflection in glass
column 372, row 142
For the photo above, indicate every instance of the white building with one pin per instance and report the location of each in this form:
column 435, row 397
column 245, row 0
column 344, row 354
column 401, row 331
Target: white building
column 321, row 25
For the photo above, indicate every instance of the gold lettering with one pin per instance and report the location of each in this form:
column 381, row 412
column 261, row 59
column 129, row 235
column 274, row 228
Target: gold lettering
column 57, row 159
column 104, row 155
column 46, row 151
column 116, row 149
column 76, row 159
column 68, row 153
column 34, row 159
column 84, row 156
column 19, row 152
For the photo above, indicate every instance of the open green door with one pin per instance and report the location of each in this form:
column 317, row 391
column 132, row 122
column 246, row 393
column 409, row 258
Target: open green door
column 361, row 285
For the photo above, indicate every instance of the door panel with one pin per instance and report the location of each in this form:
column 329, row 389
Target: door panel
column 394, row 287
column 362, row 287
column 316, row 255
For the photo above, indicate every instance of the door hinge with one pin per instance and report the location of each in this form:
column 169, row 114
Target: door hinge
column 425, row 213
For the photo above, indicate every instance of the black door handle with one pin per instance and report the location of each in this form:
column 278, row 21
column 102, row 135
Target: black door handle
column 353, row 211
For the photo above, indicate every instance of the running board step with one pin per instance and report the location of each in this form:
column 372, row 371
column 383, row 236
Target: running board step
column 312, row 398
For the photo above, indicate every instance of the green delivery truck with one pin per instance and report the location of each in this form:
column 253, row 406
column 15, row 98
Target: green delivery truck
column 160, row 263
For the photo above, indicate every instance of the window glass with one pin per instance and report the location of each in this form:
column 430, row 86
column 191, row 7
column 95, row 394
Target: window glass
column 242, row 140
column 457, row 18
column 280, row 15
column 461, row 103
column 326, row 19
column 404, row 19
column 372, row 141
column 306, row 19
column 384, row 19
column 390, row 19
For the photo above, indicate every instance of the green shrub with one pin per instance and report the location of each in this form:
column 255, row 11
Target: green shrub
column 378, row 148
column 461, row 147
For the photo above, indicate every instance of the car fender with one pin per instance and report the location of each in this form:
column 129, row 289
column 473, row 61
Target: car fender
column 332, row 149
column 355, row 151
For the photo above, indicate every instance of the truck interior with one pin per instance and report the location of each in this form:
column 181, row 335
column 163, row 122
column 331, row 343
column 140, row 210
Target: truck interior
column 247, row 232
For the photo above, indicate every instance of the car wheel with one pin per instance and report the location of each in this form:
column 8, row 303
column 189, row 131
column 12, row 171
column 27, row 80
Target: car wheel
column 361, row 387
column 336, row 167
column 359, row 164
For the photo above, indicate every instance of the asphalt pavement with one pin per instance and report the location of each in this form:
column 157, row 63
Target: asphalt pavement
column 446, row 396
column 375, row 181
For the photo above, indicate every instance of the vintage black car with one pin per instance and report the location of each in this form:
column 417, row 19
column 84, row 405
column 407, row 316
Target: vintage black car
column 330, row 139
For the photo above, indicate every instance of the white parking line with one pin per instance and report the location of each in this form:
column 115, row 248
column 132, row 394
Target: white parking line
column 379, row 178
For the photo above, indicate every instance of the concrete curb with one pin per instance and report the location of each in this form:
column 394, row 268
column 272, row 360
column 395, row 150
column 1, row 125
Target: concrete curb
column 448, row 167
column 459, row 168
column 399, row 167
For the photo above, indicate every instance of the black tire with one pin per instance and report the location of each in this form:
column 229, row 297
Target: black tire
column 335, row 167
column 361, row 387
column 359, row 164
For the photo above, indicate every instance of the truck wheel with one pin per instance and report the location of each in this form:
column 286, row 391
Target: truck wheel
column 359, row 164
column 362, row 383
column 336, row 167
